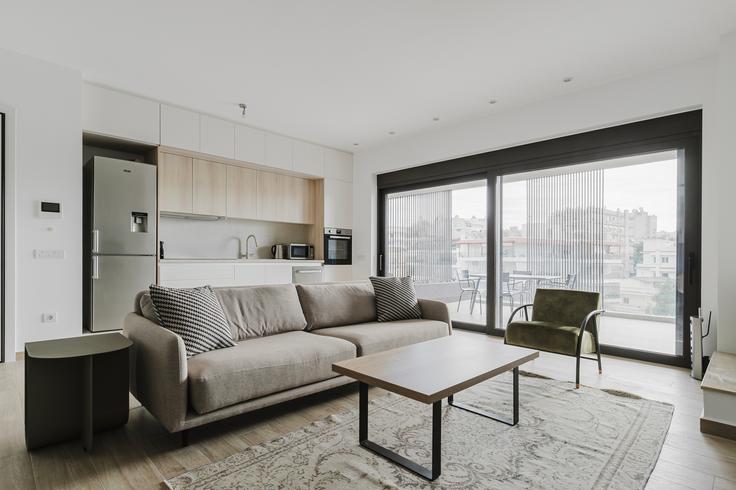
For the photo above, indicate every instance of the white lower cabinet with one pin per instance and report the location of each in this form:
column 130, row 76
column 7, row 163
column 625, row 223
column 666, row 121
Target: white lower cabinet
column 225, row 274
column 338, row 273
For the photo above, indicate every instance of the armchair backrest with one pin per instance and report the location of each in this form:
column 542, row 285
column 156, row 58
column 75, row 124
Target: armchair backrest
column 566, row 306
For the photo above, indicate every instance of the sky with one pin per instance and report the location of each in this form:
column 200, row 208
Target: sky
column 652, row 186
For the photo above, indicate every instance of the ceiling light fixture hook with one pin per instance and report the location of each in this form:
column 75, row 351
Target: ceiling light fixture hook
column 244, row 107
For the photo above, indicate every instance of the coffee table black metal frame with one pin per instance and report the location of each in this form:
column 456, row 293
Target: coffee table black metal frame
column 434, row 472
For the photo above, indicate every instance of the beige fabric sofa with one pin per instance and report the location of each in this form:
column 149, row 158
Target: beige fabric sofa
column 287, row 338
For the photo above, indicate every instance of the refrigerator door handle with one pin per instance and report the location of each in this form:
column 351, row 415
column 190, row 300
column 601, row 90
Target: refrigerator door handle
column 95, row 240
column 95, row 267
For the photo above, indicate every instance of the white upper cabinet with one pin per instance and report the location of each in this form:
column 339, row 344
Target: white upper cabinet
column 309, row 159
column 250, row 145
column 121, row 115
column 217, row 137
column 279, row 151
column 338, row 204
column 338, row 165
column 179, row 128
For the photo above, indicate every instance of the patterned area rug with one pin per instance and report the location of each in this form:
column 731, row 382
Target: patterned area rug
column 566, row 439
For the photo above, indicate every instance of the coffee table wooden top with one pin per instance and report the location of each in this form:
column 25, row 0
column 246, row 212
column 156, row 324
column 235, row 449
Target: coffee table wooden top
column 432, row 370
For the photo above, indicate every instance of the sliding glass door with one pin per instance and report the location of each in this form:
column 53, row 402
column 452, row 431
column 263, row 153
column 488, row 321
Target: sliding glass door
column 610, row 226
column 616, row 211
column 438, row 236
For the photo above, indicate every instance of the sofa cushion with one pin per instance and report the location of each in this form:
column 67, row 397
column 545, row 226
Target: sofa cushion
column 380, row 336
column 195, row 315
column 395, row 299
column 332, row 305
column 261, row 366
column 147, row 309
column 548, row 336
column 257, row 311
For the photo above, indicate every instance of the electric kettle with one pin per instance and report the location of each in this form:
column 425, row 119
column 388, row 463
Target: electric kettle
column 277, row 251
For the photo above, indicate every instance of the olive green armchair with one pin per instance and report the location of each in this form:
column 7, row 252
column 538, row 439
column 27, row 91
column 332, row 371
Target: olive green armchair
column 563, row 321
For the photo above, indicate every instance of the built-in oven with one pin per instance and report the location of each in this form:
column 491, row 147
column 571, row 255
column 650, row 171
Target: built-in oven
column 338, row 246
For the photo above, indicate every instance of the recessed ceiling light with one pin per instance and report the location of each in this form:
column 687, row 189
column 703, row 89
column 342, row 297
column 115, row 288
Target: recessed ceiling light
column 567, row 79
column 435, row 118
column 392, row 133
column 492, row 101
column 356, row 144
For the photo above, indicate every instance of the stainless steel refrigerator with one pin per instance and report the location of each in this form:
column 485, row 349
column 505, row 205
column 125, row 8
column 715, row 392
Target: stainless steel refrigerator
column 120, row 238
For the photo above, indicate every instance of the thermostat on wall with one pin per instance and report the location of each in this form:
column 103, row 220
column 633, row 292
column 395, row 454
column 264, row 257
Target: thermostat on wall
column 49, row 209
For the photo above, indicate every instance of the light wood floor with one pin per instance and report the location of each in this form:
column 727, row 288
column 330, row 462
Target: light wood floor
column 142, row 454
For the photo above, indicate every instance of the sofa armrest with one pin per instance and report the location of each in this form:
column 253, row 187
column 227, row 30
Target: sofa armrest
column 435, row 310
column 158, row 370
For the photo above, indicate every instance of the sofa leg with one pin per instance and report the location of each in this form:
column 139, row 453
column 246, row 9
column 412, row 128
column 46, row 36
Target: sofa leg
column 185, row 438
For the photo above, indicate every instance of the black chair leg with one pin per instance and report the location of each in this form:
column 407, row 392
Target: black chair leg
column 600, row 366
column 577, row 371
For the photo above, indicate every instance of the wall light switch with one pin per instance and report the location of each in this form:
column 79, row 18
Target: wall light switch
column 48, row 317
column 48, row 254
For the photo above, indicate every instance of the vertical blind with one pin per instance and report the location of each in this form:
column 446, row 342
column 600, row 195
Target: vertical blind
column 419, row 235
column 565, row 227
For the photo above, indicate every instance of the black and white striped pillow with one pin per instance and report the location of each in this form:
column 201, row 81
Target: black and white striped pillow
column 395, row 299
column 195, row 315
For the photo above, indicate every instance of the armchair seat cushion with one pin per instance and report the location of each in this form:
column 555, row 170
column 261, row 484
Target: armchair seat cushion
column 548, row 336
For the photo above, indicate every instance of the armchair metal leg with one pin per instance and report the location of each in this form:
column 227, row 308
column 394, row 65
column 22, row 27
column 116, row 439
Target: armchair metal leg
column 577, row 371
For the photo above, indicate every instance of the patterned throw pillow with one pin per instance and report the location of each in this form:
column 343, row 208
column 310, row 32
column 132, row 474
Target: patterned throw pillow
column 395, row 298
column 193, row 314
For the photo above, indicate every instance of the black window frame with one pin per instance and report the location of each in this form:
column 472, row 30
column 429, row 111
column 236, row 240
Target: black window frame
column 681, row 131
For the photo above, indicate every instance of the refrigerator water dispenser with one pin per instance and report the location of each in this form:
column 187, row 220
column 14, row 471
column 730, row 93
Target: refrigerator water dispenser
column 138, row 222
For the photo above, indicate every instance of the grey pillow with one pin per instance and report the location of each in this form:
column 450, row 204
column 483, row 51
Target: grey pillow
column 395, row 299
column 257, row 311
column 334, row 305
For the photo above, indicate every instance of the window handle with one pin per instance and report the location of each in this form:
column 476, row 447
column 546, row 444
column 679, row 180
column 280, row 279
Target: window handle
column 690, row 268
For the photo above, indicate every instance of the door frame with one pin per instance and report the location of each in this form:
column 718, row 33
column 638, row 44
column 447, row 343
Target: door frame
column 682, row 131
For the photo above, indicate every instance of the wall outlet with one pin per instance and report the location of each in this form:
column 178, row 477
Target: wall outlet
column 48, row 254
column 48, row 317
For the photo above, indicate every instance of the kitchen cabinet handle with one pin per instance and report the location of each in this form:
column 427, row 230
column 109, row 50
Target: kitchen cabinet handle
column 309, row 272
column 95, row 267
column 95, row 240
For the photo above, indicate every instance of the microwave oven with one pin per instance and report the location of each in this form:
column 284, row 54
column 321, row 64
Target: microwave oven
column 300, row 251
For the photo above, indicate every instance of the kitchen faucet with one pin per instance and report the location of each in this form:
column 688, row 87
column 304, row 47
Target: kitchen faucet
column 246, row 255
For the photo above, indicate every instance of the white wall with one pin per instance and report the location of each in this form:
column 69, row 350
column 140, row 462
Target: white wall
column 724, row 167
column 660, row 92
column 45, row 163
column 185, row 238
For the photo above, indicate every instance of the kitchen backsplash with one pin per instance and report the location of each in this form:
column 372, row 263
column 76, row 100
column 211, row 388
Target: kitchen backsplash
column 187, row 238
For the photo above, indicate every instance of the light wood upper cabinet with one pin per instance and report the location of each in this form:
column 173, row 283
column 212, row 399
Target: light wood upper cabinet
column 250, row 145
column 179, row 128
column 217, row 137
column 118, row 114
column 285, row 198
column 210, row 188
column 309, row 159
column 242, row 192
column 175, row 174
column 279, row 151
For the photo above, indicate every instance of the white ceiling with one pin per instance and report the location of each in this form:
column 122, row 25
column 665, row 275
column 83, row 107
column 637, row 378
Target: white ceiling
column 342, row 71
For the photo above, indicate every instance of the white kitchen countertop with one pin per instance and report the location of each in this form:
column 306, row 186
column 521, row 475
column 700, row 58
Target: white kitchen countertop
column 242, row 261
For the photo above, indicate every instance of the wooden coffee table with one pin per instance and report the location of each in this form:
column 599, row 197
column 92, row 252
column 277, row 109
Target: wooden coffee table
column 428, row 372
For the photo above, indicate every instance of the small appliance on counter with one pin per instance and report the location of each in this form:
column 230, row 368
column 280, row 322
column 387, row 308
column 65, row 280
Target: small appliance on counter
column 278, row 251
column 338, row 246
column 300, row 251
